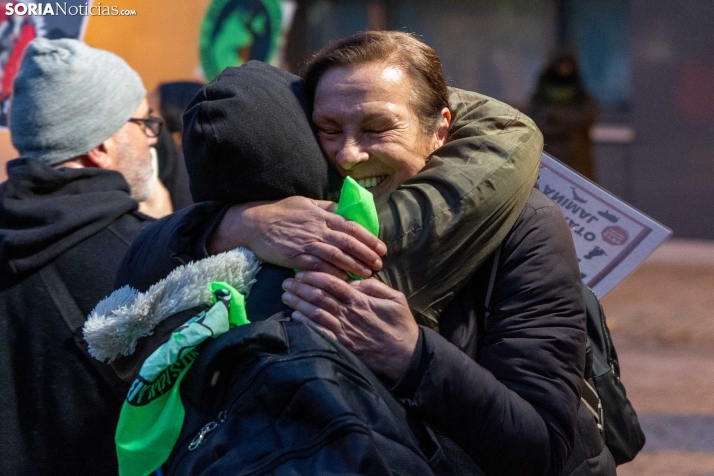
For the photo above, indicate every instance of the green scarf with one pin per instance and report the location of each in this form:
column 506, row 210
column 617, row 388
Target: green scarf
column 357, row 204
column 152, row 415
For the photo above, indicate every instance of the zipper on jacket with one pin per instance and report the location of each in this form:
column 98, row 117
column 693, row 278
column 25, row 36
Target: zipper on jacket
column 207, row 428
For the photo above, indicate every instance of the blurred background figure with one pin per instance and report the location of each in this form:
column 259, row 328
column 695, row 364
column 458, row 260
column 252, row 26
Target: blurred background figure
column 168, row 101
column 565, row 113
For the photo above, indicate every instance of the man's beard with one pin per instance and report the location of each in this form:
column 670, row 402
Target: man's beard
column 137, row 171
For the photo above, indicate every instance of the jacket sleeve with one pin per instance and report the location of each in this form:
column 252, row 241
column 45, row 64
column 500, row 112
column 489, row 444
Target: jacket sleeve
column 441, row 225
column 168, row 243
column 515, row 411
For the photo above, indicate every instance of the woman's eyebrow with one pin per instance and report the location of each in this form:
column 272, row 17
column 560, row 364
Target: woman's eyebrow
column 324, row 120
column 379, row 117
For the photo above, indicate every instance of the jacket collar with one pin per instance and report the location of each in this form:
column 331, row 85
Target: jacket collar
column 121, row 319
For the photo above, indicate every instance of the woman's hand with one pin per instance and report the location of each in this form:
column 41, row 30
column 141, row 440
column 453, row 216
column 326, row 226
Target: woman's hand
column 300, row 233
column 368, row 317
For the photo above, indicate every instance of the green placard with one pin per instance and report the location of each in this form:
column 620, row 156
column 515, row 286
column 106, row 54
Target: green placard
column 235, row 31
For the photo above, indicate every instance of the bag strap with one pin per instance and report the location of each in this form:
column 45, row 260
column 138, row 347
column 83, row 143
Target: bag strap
column 591, row 400
column 74, row 318
column 491, row 283
column 482, row 319
column 59, row 293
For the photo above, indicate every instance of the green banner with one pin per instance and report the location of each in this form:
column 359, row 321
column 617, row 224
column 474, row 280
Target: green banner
column 235, row 31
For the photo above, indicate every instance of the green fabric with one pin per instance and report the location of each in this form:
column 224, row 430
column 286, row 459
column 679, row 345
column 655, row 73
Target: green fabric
column 236, row 314
column 152, row 415
column 357, row 204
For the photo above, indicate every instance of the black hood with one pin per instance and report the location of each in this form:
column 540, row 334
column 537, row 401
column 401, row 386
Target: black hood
column 46, row 211
column 247, row 136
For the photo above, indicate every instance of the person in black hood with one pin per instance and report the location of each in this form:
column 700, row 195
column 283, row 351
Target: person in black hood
column 68, row 213
column 236, row 153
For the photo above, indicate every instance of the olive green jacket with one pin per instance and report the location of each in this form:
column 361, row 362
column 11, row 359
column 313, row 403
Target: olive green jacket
column 442, row 224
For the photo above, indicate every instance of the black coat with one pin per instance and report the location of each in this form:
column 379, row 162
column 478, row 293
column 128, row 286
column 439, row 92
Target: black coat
column 59, row 406
column 508, row 393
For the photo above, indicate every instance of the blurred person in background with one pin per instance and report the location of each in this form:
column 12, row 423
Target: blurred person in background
column 68, row 213
column 169, row 100
column 565, row 112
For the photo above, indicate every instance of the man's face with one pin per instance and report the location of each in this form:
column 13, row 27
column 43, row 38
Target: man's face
column 132, row 155
column 367, row 127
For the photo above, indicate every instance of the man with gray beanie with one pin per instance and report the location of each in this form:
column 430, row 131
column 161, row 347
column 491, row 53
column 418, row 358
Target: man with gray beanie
column 68, row 213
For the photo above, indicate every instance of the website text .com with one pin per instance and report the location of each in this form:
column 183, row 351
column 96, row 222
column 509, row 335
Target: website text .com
column 61, row 8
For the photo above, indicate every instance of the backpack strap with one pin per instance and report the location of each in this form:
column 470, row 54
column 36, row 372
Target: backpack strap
column 491, row 283
column 591, row 400
column 59, row 293
column 482, row 319
column 74, row 318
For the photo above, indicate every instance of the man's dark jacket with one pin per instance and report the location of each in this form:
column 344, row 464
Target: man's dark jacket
column 63, row 234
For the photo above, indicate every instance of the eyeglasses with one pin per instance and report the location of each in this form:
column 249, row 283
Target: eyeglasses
column 152, row 125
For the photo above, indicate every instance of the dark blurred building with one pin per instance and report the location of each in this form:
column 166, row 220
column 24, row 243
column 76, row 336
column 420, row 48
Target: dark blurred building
column 648, row 63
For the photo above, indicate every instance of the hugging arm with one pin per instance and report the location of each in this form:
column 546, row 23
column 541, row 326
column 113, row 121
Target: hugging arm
column 439, row 226
column 442, row 224
column 296, row 232
column 368, row 317
column 481, row 176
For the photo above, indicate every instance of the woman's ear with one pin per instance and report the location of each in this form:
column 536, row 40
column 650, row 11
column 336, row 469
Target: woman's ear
column 442, row 132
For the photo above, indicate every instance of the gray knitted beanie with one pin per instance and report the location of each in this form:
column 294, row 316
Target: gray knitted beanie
column 68, row 98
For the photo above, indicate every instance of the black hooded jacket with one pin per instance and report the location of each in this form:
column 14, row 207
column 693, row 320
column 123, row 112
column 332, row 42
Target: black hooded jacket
column 63, row 234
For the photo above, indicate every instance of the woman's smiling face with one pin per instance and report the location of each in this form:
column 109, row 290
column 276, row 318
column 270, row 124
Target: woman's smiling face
column 368, row 128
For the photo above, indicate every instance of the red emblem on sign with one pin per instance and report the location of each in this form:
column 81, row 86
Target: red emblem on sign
column 16, row 31
column 615, row 235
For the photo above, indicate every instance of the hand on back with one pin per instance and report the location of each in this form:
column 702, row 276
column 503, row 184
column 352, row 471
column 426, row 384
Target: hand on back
column 369, row 318
column 300, row 233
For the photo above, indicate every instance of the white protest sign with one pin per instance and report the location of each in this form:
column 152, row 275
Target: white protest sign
column 611, row 237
